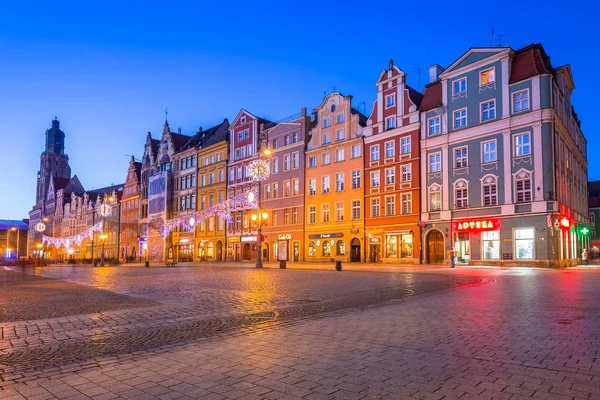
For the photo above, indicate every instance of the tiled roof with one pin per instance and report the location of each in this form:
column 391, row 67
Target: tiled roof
column 415, row 96
column 60, row 183
column 179, row 140
column 211, row 136
column 529, row 61
column 432, row 97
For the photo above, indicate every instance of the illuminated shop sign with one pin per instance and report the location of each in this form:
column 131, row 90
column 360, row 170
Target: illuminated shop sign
column 284, row 236
column 477, row 225
column 326, row 236
column 248, row 238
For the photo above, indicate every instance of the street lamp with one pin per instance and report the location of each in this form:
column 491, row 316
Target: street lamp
column 103, row 237
column 260, row 218
column 17, row 251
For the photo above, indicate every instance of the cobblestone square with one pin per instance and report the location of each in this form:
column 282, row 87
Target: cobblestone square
column 241, row 333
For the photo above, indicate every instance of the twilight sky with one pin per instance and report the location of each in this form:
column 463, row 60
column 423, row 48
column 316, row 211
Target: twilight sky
column 109, row 69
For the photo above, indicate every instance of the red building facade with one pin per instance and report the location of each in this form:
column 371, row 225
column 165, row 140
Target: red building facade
column 130, row 214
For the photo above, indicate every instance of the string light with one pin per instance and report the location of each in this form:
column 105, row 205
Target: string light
column 75, row 239
column 260, row 170
column 40, row 227
column 222, row 210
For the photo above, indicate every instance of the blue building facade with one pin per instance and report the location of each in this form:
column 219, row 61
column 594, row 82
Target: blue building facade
column 503, row 157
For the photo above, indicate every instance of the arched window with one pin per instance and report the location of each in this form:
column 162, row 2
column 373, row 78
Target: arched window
column 340, row 248
column 461, row 194
column 312, row 249
column 435, row 198
column 210, row 250
column 326, row 248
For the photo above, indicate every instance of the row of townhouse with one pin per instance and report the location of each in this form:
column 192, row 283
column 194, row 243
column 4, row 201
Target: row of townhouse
column 489, row 160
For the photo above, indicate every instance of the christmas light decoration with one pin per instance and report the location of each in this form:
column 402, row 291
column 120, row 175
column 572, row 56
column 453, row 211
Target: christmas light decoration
column 40, row 227
column 222, row 210
column 260, row 170
column 72, row 240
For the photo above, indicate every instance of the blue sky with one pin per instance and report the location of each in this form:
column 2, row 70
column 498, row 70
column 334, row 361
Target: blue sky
column 109, row 69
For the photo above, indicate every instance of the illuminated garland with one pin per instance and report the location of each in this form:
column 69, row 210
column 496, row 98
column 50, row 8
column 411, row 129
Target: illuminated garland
column 75, row 239
column 260, row 170
column 223, row 210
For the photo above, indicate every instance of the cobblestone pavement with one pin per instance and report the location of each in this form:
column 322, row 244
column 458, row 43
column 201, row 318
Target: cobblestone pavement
column 523, row 334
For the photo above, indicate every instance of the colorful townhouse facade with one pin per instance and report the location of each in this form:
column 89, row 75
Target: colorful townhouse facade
column 392, row 171
column 283, row 192
column 242, row 233
column 334, row 195
column 130, row 214
column 503, row 160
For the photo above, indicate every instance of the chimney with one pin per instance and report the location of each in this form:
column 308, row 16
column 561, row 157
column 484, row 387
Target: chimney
column 179, row 130
column 434, row 73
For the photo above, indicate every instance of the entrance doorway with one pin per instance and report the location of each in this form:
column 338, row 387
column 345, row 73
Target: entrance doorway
column 435, row 247
column 265, row 251
column 355, row 250
column 296, row 251
column 462, row 248
column 374, row 253
column 219, row 251
column 246, row 252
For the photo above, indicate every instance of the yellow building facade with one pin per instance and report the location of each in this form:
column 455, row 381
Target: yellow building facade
column 334, row 183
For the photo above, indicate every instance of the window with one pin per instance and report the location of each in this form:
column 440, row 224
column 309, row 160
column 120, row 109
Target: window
column 592, row 218
column 355, row 209
column 459, row 86
column 523, row 190
column 326, row 159
column 434, row 125
column 294, row 215
column 461, row 197
column 405, row 145
column 340, row 248
column 246, row 133
column 326, row 138
column 275, row 145
column 275, row 168
column 211, row 200
column 491, row 245
column 326, row 123
column 296, row 185
column 203, row 177
column 240, row 137
column 237, row 154
column 312, row 162
column 356, row 179
column 390, row 123
column 521, row 101
column 218, row 157
column 339, row 182
column 406, row 171
column 356, row 151
column 486, row 77
column 435, row 162
column 524, row 242
column 325, row 184
column 267, row 191
column 339, row 155
column 286, row 216
column 339, row 134
column 312, row 249
column 460, row 157
column 339, row 211
column 488, row 110
column 490, row 189
column 375, row 207
column 221, row 177
column 211, row 178
column 435, row 199
column 312, row 214
column 243, row 149
column 211, row 224
column 375, row 179
column 249, row 153
column 243, row 119
column 406, row 203
column 231, row 174
column 312, row 187
column 390, row 149
column 390, row 205
column 522, row 146
column 390, row 101
column 489, row 151
column 390, row 176
column 325, row 212
column 295, row 160
column 286, row 140
column 287, row 188
column 375, row 153
column 339, row 118
column 275, row 190
column 460, row 118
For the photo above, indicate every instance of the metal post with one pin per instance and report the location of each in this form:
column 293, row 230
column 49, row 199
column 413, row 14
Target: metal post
column 259, row 263
column 6, row 255
column 102, row 260
column 18, row 232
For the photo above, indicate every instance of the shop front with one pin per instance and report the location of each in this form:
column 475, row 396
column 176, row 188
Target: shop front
column 476, row 234
column 248, row 247
column 293, row 243
column 233, row 248
column 326, row 247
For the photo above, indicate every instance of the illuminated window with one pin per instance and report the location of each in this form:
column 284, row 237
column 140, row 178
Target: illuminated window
column 486, row 77
column 312, row 249
column 340, row 248
column 325, row 212
column 339, row 211
column 491, row 245
column 524, row 243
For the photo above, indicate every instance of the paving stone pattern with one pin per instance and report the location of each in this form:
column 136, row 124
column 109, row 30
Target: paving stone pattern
column 524, row 334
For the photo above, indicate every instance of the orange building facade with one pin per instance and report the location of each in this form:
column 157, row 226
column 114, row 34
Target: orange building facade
column 392, row 171
column 334, row 185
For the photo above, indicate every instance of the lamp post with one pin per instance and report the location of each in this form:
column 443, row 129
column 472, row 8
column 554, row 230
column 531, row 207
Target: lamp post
column 17, row 251
column 260, row 218
column 103, row 237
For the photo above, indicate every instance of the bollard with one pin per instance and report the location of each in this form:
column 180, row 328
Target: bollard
column 338, row 265
column 147, row 264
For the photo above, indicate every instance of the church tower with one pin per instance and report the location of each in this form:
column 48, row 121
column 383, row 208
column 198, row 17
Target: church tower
column 53, row 161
